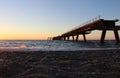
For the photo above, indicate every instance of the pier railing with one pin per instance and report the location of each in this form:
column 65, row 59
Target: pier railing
column 85, row 23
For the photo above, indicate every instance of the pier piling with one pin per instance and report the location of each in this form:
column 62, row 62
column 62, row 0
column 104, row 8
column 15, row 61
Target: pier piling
column 96, row 24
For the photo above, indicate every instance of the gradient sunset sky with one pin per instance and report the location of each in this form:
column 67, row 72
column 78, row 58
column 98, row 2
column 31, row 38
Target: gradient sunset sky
column 39, row 19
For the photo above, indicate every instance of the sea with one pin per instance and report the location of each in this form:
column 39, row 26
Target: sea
column 55, row 45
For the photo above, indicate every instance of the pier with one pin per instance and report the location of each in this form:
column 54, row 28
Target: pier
column 86, row 28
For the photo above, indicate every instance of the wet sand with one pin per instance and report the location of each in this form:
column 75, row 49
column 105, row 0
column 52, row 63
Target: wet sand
column 60, row 64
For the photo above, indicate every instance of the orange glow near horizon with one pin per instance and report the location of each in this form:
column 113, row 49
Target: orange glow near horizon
column 23, row 37
column 95, row 35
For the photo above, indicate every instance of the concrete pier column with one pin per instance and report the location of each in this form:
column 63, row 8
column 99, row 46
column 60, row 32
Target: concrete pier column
column 84, row 37
column 73, row 38
column 103, row 36
column 77, row 37
column 68, row 38
column 64, row 38
column 61, row 38
column 116, row 36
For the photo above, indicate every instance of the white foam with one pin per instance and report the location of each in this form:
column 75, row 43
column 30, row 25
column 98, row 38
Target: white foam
column 54, row 46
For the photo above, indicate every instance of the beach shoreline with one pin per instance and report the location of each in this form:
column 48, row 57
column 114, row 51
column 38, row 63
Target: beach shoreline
column 60, row 64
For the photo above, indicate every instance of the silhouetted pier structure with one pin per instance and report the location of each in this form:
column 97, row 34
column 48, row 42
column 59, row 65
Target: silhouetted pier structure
column 94, row 24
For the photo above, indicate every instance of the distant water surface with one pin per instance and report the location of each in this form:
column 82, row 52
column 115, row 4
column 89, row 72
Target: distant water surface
column 55, row 45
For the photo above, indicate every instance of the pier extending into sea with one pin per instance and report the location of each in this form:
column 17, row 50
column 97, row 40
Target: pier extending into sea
column 86, row 28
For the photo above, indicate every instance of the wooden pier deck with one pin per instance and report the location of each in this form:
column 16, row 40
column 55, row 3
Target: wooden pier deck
column 95, row 24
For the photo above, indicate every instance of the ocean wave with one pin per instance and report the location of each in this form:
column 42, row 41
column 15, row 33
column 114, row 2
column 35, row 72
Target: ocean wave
column 56, row 45
column 12, row 49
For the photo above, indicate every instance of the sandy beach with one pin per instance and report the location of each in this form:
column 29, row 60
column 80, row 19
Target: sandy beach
column 60, row 64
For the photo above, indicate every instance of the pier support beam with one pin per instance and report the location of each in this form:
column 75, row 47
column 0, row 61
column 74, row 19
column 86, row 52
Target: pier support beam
column 77, row 37
column 116, row 36
column 64, row 38
column 84, row 37
column 73, row 38
column 103, row 36
column 115, row 33
column 68, row 38
column 61, row 38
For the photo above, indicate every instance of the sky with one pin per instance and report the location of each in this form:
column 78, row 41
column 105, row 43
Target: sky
column 40, row 19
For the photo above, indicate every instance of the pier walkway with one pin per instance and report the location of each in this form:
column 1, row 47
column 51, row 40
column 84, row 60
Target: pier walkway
column 86, row 28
